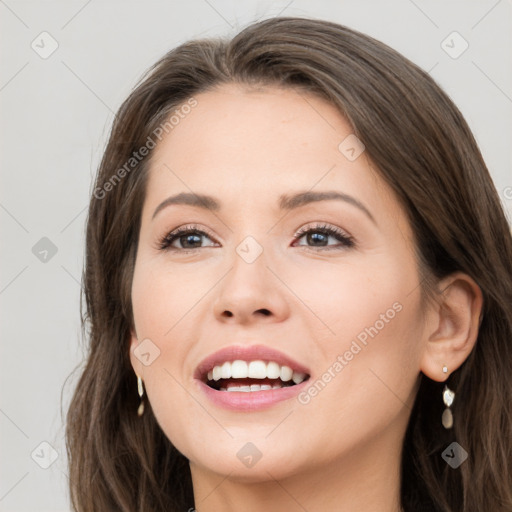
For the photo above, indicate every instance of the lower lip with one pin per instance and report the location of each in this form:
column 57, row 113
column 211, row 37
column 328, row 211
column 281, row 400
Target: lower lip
column 247, row 401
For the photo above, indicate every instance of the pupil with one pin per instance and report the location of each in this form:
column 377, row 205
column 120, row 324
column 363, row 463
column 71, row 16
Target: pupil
column 315, row 237
column 190, row 237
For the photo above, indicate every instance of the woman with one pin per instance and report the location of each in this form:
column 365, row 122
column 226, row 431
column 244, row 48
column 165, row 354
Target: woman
column 298, row 287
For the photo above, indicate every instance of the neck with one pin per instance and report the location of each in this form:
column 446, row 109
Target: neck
column 367, row 479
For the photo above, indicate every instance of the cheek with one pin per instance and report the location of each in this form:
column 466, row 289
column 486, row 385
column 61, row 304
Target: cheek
column 371, row 316
column 346, row 298
column 159, row 306
column 162, row 298
column 368, row 376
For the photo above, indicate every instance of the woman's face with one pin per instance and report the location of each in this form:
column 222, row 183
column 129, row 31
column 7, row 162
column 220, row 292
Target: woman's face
column 343, row 305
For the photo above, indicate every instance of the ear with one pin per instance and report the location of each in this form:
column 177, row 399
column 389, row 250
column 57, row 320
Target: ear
column 137, row 366
column 452, row 326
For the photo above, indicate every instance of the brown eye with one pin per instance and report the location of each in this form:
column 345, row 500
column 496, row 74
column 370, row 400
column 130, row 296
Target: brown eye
column 188, row 238
column 318, row 236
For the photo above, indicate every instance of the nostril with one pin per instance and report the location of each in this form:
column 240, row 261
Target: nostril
column 265, row 312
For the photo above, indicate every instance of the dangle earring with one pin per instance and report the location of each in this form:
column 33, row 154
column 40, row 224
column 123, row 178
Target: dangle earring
column 140, row 388
column 448, row 396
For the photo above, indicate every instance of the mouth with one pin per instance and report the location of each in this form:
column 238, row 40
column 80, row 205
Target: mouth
column 250, row 369
column 247, row 376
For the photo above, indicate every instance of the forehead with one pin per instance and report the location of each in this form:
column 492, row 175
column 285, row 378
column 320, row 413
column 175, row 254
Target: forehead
column 244, row 131
column 245, row 142
column 239, row 112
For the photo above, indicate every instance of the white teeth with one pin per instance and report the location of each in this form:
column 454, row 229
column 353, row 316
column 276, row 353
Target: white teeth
column 226, row 370
column 239, row 369
column 252, row 387
column 298, row 377
column 273, row 370
column 286, row 373
column 217, row 372
column 257, row 369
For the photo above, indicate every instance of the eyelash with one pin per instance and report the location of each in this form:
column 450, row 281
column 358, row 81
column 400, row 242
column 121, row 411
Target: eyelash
column 345, row 240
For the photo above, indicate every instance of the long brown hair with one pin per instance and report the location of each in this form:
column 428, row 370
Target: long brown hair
column 422, row 147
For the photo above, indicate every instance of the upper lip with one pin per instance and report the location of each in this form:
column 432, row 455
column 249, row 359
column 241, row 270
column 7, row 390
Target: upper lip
column 246, row 353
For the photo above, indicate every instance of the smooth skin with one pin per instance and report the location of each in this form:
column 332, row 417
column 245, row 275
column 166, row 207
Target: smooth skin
column 308, row 297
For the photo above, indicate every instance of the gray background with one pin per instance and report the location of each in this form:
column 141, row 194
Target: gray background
column 55, row 117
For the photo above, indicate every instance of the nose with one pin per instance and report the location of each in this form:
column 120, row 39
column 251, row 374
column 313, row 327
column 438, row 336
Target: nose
column 249, row 293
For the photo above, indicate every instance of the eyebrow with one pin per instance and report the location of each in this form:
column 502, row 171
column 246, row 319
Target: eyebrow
column 286, row 202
